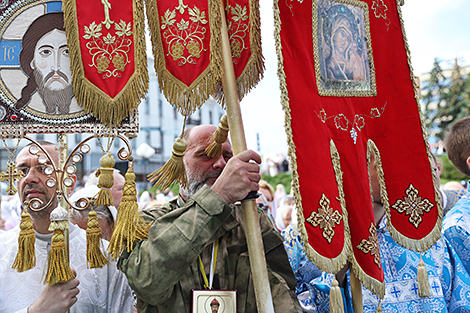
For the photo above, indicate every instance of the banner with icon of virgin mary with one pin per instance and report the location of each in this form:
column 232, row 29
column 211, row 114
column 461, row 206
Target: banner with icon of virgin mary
column 350, row 100
column 36, row 92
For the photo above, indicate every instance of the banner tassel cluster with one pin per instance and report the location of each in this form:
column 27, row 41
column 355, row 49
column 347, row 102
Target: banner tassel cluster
column 214, row 150
column 130, row 226
column 26, row 256
column 94, row 256
column 173, row 170
column 105, row 181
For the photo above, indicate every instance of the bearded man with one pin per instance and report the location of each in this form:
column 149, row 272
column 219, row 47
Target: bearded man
column 45, row 59
column 163, row 269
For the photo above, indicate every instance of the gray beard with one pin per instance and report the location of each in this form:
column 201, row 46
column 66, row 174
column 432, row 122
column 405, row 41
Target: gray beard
column 54, row 98
column 195, row 182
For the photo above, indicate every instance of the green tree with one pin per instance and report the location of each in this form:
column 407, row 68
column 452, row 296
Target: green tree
column 453, row 100
column 432, row 89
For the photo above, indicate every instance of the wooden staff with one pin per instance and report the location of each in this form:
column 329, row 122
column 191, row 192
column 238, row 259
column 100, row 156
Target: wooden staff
column 250, row 212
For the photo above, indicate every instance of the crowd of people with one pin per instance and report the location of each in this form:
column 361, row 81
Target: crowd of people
column 197, row 241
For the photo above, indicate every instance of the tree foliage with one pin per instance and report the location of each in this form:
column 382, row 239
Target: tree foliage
column 446, row 99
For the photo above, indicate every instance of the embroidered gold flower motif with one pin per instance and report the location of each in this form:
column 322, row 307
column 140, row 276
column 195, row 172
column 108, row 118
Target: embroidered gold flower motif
column 118, row 62
column 413, row 205
column 322, row 115
column 359, row 122
column 102, row 63
column 193, row 48
column 380, row 9
column 326, row 218
column 371, row 245
column 341, row 122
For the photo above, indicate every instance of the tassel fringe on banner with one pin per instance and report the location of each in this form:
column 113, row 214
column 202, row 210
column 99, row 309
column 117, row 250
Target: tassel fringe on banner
column 26, row 256
column 110, row 111
column 106, row 181
column 214, row 150
column 94, row 256
column 173, row 170
column 423, row 280
column 130, row 227
column 58, row 268
column 186, row 99
column 336, row 298
column 254, row 69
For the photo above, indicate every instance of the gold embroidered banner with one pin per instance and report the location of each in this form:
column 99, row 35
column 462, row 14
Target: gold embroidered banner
column 187, row 48
column 108, row 59
column 349, row 96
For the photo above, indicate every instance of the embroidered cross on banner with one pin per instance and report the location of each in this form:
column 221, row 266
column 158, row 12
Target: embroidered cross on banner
column 11, row 175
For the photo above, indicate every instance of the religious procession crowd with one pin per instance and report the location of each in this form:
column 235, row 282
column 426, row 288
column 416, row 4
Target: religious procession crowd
column 196, row 241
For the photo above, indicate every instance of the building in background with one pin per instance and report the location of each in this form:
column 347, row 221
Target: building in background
column 159, row 125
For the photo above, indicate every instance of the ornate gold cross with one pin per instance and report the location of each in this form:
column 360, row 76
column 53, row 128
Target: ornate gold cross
column 11, row 175
column 107, row 21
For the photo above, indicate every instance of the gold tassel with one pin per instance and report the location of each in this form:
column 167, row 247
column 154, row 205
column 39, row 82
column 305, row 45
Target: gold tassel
column 214, row 150
column 26, row 256
column 423, row 281
column 130, row 226
column 93, row 234
column 379, row 307
column 106, row 181
column 58, row 269
column 173, row 170
column 336, row 298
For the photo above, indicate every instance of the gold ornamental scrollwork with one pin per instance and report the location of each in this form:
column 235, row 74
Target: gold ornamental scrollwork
column 371, row 245
column 413, row 205
column 326, row 218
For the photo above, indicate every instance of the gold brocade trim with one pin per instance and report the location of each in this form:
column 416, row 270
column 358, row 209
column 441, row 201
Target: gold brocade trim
column 326, row 217
column 325, row 264
column 346, row 87
column 427, row 242
column 413, row 205
column 371, row 245
column 186, row 99
column 110, row 111
column 254, row 69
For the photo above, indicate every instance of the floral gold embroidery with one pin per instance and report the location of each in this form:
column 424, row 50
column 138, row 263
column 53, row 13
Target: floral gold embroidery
column 326, row 218
column 343, row 123
column 371, row 245
column 413, row 205
column 380, row 11
column 238, row 28
column 184, row 38
column 110, row 47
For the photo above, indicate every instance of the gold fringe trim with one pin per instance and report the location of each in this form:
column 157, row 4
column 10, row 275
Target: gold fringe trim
column 186, row 99
column 105, row 181
column 110, row 111
column 94, row 256
column 214, row 150
column 427, row 242
column 173, row 170
column 254, row 69
column 130, row 226
column 26, row 256
column 58, row 269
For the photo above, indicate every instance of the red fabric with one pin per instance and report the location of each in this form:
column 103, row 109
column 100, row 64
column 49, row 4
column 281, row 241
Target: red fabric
column 182, row 35
column 390, row 119
column 114, row 78
column 238, row 24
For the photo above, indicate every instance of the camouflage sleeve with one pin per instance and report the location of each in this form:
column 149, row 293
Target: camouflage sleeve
column 175, row 241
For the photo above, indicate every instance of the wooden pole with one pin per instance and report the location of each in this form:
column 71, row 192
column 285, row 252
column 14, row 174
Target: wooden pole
column 356, row 291
column 250, row 212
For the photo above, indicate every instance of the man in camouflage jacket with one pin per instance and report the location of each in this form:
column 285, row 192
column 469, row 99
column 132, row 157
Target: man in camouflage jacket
column 164, row 268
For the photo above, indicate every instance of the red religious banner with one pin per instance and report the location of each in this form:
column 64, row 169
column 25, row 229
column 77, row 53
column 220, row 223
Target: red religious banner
column 349, row 97
column 187, row 47
column 108, row 59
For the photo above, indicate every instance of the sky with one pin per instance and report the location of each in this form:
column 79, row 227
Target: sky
column 434, row 29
